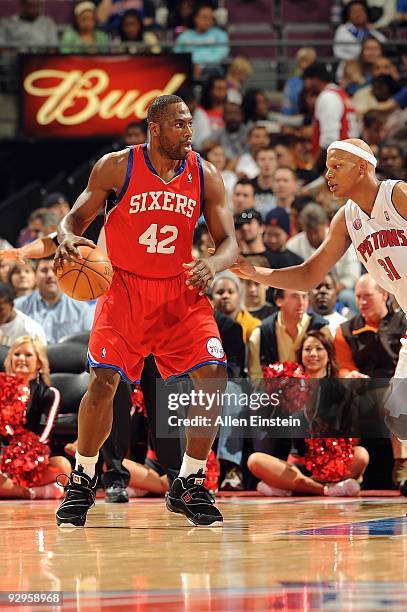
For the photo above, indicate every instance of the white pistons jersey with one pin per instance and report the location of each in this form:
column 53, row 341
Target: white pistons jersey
column 380, row 241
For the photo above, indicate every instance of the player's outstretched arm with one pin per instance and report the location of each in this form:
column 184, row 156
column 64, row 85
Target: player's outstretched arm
column 107, row 176
column 221, row 227
column 39, row 248
column 308, row 274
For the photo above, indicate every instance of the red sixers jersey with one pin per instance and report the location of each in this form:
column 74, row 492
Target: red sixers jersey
column 149, row 231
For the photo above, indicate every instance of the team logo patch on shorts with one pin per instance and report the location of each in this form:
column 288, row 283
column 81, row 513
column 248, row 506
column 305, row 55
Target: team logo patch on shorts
column 214, row 348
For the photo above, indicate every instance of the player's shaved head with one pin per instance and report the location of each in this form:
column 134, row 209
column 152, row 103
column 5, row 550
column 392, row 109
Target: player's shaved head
column 158, row 109
column 347, row 155
column 358, row 142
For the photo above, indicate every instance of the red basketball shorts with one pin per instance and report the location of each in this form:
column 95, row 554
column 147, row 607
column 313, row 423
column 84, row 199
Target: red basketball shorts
column 138, row 316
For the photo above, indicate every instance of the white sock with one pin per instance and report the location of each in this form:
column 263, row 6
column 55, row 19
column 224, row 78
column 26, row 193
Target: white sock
column 88, row 463
column 191, row 466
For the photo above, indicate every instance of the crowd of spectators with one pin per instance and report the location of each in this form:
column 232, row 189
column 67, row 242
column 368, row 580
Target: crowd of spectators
column 271, row 159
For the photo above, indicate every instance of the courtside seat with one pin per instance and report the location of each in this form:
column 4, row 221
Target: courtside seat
column 69, row 357
column 80, row 338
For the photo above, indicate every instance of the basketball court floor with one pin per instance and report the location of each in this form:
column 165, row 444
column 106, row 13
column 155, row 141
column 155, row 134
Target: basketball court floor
column 272, row 554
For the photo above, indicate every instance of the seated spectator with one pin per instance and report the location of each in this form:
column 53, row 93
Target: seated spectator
column 27, row 359
column 109, row 12
column 202, row 133
column 281, row 334
column 292, row 89
column 249, row 233
column 359, row 72
column 58, row 314
column 41, row 222
column 257, row 138
column 212, row 105
column 5, row 265
column 285, row 187
column 135, row 133
column 208, row 44
column 374, row 129
column 242, row 196
column 276, row 234
column 28, row 28
column 82, row 36
column 179, row 16
column 392, row 161
column 227, row 297
column 384, row 88
column 131, row 30
column 367, row 346
column 355, row 29
column 57, row 204
column 216, row 155
column 255, row 294
column 233, row 136
column 230, row 446
column 266, row 161
column 363, row 99
column 256, row 106
column 322, row 301
column 240, row 69
column 22, row 277
column 13, row 322
column 316, row 226
column 281, row 478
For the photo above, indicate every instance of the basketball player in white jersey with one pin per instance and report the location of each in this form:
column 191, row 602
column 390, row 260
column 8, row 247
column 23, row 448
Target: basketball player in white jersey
column 374, row 219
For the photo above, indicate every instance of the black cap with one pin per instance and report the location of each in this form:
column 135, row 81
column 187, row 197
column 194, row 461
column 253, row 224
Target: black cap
column 53, row 198
column 246, row 216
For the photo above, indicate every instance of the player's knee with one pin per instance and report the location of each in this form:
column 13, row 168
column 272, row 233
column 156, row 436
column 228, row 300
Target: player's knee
column 103, row 385
column 397, row 425
column 253, row 462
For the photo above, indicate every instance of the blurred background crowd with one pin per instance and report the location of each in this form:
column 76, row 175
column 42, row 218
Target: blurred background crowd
column 272, row 84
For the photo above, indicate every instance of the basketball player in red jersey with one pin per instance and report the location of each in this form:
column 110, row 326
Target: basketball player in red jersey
column 155, row 194
column 374, row 220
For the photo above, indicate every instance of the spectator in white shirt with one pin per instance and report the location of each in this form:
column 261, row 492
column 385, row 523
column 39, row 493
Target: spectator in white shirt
column 350, row 35
column 334, row 115
column 29, row 27
column 322, row 300
column 14, row 323
column 257, row 138
column 315, row 222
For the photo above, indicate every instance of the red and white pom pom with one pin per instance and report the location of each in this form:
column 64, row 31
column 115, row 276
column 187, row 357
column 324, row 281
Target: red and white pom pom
column 14, row 395
column 24, row 460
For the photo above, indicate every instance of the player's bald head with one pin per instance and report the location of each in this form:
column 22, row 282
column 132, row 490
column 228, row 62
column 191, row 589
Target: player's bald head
column 339, row 153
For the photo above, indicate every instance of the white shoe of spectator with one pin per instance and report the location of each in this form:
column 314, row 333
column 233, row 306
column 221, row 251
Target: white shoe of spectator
column 269, row 491
column 345, row 488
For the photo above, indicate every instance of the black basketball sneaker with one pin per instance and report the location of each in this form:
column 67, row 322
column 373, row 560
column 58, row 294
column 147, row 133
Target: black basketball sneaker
column 80, row 493
column 188, row 496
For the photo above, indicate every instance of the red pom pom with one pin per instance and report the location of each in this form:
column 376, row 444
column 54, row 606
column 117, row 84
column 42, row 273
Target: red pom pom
column 329, row 459
column 25, row 459
column 14, row 395
column 289, row 381
column 137, row 400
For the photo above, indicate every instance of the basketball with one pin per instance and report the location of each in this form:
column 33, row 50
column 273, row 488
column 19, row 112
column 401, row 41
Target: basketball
column 87, row 278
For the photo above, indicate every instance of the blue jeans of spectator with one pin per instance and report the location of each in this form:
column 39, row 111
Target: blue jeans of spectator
column 230, row 443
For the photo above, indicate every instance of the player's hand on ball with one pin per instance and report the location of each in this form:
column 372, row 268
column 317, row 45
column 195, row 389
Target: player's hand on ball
column 200, row 273
column 67, row 250
column 12, row 255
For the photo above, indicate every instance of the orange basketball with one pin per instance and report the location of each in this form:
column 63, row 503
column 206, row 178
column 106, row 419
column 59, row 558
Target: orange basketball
column 87, row 278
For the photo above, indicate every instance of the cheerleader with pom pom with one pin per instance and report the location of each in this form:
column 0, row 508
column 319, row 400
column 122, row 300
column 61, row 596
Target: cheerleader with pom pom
column 329, row 466
column 27, row 471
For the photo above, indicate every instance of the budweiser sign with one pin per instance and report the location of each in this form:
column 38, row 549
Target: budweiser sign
column 94, row 95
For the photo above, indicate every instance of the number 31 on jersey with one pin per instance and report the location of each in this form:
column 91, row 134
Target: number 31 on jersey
column 153, row 244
